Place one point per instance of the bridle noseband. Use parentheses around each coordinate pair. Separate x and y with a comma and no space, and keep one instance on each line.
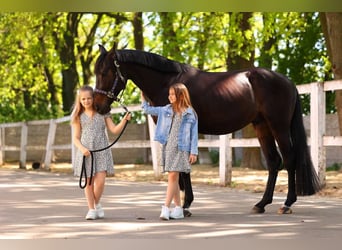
(110,94)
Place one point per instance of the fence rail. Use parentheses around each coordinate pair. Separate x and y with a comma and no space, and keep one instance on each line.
(317,139)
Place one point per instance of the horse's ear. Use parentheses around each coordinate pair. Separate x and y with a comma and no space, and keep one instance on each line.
(102,49)
(115,46)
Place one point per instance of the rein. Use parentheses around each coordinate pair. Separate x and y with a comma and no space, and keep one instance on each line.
(84,171)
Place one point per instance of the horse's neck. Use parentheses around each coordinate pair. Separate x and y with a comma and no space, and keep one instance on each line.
(150,82)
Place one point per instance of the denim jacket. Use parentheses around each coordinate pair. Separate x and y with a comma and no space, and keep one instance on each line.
(188,131)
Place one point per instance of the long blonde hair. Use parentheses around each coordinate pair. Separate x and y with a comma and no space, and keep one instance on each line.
(78,109)
(182,97)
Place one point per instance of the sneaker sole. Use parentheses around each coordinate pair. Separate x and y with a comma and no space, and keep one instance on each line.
(91,218)
(176,218)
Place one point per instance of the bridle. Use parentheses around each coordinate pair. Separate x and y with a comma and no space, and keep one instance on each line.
(118,75)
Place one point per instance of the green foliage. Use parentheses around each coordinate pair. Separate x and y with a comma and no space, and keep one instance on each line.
(214,156)
(33,62)
(334,167)
(298,49)
(23,87)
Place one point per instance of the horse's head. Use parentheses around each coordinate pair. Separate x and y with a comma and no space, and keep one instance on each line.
(109,80)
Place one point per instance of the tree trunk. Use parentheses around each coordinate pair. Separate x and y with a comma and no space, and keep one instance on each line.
(332,29)
(251,157)
(170,42)
(138,31)
(68,59)
(85,51)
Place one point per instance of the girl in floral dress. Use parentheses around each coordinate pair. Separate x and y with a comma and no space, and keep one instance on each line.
(89,133)
(177,131)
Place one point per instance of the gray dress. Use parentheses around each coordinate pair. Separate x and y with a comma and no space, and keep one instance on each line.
(172,158)
(93,136)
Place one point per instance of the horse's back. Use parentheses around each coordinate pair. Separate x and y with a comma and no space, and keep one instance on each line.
(229,101)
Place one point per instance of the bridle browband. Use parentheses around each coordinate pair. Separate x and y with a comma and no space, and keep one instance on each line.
(118,75)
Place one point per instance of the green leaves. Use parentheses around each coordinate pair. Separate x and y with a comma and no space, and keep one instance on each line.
(38,49)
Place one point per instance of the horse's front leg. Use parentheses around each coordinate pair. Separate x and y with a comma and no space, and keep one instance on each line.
(268,194)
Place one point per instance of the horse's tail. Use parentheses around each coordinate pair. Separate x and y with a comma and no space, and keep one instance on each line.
(307,181)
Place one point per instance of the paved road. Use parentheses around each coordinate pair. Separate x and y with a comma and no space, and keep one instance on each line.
(44,205)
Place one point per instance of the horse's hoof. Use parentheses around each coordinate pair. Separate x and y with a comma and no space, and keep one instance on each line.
(187,213)
(257,210)
(285,210)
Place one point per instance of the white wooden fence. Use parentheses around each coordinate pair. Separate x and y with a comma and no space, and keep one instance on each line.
(317,139)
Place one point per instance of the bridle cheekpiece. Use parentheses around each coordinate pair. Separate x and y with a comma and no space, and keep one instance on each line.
(110,94)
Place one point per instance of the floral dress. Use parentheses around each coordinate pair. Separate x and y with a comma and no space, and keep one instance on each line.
(93,136)
(172,158)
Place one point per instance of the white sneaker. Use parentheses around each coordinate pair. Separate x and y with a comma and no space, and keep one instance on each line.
(99,211)
(165,213)
(177,213)
(91,215)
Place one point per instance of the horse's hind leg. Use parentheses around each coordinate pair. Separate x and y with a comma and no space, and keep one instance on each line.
(286,150)
(273,161)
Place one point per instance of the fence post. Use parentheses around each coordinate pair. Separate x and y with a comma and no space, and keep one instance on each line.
(155,152)
(225,168)
(23,144)
(317,127)
(49,143)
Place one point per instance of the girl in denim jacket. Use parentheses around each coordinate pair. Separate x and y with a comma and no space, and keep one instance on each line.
(177,131)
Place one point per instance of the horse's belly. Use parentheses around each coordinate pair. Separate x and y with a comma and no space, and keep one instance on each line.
(221,128)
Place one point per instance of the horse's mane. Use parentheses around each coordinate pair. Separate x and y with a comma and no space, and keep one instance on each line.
(151,60)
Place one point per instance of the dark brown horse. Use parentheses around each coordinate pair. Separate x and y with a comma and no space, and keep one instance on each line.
(224,102)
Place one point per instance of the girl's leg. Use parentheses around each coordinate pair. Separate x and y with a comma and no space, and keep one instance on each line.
(176,197)
(89,194)
(173,193)
(172,189)
(99,182)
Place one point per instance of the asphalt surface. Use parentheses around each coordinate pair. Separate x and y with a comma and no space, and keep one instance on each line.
(45,205)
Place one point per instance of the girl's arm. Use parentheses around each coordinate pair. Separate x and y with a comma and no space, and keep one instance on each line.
(147,108)
(117,128)
(194,138)
(77,138)
(194,143)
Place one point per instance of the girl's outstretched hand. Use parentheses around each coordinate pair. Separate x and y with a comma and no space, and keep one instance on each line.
(192,158)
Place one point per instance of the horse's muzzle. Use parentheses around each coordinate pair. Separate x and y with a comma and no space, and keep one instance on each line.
(102,109)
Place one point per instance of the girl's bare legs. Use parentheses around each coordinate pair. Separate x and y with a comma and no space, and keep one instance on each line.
(89,194)
(99,183)
(172,192)
(93,194)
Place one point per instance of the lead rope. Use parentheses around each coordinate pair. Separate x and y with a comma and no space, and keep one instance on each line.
(84,171)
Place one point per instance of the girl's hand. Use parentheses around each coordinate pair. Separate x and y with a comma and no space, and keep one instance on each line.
(128,116)
(85,152)
(192,158)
